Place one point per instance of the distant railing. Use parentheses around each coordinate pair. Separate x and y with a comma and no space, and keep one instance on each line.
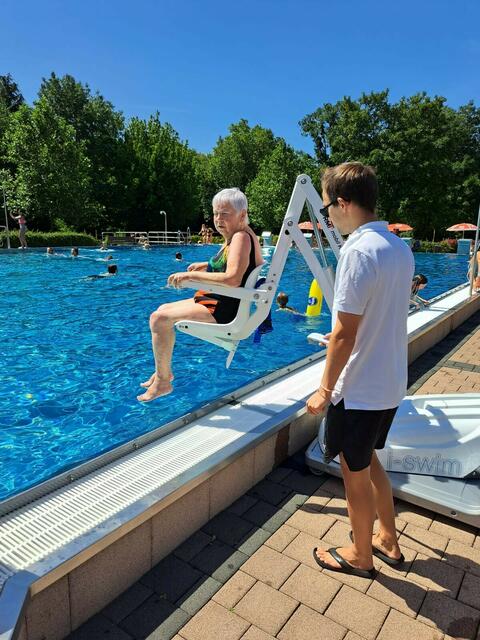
(153,237)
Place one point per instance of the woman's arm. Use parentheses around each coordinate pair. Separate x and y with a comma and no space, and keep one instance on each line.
(197,266)
(237,263)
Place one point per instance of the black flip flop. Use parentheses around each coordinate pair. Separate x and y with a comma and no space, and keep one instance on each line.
(393,562)
(345,567)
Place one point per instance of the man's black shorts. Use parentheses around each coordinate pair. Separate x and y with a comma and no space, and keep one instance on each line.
(356,433)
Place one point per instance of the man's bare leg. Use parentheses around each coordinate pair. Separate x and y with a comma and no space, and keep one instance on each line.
(386,538)
(361,511)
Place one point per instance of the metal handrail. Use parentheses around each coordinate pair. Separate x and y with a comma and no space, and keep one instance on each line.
(153,237)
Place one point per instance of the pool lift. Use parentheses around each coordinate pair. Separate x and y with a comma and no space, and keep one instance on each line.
(432,453)
(257,297)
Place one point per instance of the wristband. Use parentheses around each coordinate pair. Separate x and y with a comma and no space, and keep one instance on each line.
(325,388)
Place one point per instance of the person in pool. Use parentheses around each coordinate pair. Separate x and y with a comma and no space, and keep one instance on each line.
(74,252)
(178,256)
(50,251)
(231,266)
(282,301)
(112,270)
(419,282)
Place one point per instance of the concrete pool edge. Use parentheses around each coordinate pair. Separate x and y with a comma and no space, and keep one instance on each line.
(58,586)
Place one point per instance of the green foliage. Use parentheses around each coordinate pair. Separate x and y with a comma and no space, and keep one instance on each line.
(443,246)
(51,174)
(427,155)
(57,239)
(162,176)
(236,158)
(10,95)
(269,192)
(98,129)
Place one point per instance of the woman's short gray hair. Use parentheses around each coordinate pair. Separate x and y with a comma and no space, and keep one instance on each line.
(234,197)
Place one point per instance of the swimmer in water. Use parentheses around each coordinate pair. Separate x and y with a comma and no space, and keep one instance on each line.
(112,270)
(50,251)
(74,252)
(178,256)
(282,301)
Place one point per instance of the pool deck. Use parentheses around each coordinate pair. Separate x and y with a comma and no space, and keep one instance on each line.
(248,574)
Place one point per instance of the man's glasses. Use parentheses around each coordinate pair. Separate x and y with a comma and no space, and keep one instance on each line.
(324,210)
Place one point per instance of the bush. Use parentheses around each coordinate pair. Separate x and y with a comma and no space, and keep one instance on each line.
(56,239)
(436,247)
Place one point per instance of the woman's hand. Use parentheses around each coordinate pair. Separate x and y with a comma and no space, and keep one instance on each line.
(176,279)
(197,266)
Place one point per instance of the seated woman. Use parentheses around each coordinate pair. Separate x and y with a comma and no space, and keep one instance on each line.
(237,258)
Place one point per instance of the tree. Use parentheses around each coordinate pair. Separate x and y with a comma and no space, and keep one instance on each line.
(269,192)
(163,175)
(99,128)
(426,153)
(52,171)
(10,94)
(236,159)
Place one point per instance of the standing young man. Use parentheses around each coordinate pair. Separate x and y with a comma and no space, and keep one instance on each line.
(365,376)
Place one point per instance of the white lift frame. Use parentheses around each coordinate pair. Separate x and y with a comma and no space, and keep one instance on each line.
(247,320)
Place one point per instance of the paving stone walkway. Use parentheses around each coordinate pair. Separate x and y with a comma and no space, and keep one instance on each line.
(249,573)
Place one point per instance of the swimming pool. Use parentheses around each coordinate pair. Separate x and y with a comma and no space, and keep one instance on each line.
(74,351)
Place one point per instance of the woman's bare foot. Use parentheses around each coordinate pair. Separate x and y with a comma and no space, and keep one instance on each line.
(150,381)
(157,389)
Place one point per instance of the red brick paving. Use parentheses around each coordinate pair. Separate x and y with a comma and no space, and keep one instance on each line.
(281,593)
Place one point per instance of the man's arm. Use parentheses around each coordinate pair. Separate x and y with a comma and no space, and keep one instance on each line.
(340,347)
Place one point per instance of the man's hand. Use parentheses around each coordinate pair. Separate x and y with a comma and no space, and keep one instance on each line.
(318,402)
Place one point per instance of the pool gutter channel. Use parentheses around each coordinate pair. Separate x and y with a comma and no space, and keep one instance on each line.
(19,586)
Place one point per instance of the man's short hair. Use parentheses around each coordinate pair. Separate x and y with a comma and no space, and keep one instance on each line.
(352,181)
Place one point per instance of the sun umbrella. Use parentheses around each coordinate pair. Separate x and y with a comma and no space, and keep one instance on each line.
(307,226)
(462,226)
(399,226)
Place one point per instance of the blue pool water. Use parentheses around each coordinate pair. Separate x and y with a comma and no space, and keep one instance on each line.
(73,352)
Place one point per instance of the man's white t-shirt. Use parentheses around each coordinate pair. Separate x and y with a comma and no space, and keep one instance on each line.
(373,279)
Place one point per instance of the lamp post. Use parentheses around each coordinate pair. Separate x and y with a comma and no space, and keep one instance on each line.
(163,213)
(6,218)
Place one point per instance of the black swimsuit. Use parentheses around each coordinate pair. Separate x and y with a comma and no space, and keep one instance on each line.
(223,308)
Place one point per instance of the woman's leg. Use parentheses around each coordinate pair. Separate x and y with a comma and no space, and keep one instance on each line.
(163,339)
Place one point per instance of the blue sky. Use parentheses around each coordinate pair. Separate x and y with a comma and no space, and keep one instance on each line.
(205,64)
